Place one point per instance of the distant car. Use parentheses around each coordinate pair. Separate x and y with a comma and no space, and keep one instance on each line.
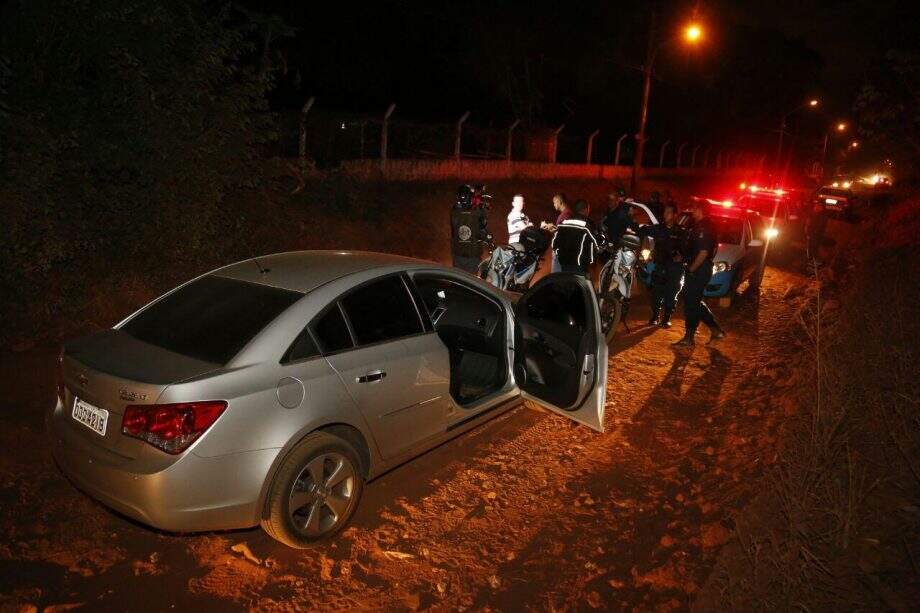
(840,201)
(268,391)
(740,252)
(780,210)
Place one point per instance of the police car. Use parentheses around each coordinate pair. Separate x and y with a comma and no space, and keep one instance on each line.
(740,256)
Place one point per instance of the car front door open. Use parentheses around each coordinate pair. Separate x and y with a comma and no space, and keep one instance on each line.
(560,356)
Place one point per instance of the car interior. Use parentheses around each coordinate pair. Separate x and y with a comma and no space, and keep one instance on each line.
(471,326)
(552,322)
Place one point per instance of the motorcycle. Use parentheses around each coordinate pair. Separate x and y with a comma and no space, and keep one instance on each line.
(615,282)
(512,267)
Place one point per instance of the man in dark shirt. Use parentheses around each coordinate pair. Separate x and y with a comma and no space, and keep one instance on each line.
(701,248)
(618,218)
(561,204)
(467,231)
(668,276)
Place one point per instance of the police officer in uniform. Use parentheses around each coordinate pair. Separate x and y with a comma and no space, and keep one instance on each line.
(701,246)
(668,276)
(468,231)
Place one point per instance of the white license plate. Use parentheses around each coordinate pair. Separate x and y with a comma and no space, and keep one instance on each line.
(92,417)
(830,201)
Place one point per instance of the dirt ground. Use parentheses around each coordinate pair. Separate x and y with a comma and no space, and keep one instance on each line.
(527,512)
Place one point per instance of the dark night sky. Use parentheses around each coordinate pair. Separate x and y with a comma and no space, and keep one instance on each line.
(437,59)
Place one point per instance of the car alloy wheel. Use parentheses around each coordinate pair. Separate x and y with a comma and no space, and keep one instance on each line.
(322,494)
(315,491)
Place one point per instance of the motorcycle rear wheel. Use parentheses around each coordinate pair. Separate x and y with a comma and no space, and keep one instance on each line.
(611,308)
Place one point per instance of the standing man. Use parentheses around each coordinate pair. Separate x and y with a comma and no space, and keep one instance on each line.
(517,220)
(702,246)
(561,204)
(575,242)
(618,218)
(467,231)
(668,276)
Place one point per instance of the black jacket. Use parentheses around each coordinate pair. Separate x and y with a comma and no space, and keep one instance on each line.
(575,242)
(616,222)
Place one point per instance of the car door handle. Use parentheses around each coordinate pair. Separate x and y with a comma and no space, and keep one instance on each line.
(372,377)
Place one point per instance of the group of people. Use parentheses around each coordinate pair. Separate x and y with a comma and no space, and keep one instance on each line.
(683,257)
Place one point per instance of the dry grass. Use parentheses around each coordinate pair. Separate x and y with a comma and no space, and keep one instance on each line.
(838,522)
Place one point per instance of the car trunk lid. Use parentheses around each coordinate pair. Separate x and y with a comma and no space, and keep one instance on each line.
(111,370)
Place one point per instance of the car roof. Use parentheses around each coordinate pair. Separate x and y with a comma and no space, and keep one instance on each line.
(303,271)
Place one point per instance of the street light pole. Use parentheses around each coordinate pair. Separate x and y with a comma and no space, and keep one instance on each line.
(782,129)
(646,93)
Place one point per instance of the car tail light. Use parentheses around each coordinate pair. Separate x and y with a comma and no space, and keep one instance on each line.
(171,427)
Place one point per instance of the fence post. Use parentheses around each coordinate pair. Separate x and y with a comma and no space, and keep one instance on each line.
(761,162)
(302,141)
(556,142)
(680,153)
(460,121)
(384,131)
(664,148)
(590,151)
(508,144)
(706,152)
(693,156)
(616,159)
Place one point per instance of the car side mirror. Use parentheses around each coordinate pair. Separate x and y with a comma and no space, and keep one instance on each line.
(755,242)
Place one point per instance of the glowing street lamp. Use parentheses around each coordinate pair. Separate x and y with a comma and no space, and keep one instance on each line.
(854,144)
(782,127)
(840,127)
(692,35)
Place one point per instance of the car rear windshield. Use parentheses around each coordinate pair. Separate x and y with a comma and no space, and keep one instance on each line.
(765,205)
(728,231)
(211,318)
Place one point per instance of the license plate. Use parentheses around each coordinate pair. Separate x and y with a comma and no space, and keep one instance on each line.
(830,201)
(92,417)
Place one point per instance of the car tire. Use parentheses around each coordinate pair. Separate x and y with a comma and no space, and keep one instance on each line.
(326,508)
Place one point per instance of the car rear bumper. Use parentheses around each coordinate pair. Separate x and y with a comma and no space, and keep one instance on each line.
(189,495)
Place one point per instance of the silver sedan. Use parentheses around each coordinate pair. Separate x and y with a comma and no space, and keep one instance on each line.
(269,391)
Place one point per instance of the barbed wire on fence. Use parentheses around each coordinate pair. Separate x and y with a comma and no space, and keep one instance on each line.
(328,138)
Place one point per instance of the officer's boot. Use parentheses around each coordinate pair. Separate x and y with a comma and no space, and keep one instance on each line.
(666,319)
(654,318)
(687,341)
(716,332)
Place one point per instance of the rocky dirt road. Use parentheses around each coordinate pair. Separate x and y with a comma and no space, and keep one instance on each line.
(526,512)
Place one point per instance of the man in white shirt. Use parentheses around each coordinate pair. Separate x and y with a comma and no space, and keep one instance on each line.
(517,220)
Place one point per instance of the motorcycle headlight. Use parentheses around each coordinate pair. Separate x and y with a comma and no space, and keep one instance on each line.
(772,232)
(720,267)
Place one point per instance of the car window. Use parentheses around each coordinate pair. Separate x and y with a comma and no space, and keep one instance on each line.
(302,348)
(381,311)
(558,303)
(728,230)
(332,332)
(211,318)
